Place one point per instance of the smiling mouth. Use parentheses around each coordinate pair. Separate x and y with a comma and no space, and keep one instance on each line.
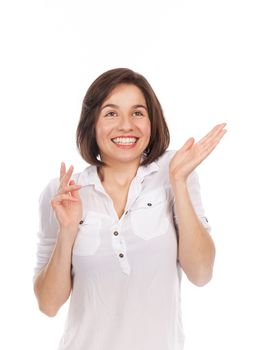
(125,140)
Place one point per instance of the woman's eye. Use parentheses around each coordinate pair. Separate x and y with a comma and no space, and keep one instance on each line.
(110,114)
(139,113)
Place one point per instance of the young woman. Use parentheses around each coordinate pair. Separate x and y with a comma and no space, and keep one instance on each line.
(117,235)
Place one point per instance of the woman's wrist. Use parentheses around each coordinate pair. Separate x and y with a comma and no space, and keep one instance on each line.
(67,235)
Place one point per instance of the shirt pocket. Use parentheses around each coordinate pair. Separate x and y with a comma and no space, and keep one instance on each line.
(150,216)
(88,238)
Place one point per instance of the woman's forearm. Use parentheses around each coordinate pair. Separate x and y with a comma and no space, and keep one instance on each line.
(52,285)
(196,248)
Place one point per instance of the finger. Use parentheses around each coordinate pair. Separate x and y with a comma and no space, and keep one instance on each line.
(208,134)
(67,175)
(62,170)
(210,146)
(218,137)
(71,188)
(221,134)
(214,133)
(75,193)
(187,144)
(59,198)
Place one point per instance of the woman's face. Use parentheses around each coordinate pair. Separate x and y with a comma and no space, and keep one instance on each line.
(123,127)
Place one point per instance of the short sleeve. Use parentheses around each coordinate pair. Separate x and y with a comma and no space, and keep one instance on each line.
(48,226)
(196,200)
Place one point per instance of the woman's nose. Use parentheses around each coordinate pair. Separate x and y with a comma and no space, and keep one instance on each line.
(125,123)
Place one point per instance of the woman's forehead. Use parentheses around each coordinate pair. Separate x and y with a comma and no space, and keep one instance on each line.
(125,94)
(125,89)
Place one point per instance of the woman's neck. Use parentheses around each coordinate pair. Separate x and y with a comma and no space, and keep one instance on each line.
(119,175)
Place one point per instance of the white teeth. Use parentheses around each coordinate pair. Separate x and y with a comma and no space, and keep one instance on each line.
(125,140)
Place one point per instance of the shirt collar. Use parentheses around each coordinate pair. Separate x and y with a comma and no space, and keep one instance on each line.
(89,176)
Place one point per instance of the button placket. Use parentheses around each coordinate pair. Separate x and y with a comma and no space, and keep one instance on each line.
(120,250)
(123,259)
(118,242)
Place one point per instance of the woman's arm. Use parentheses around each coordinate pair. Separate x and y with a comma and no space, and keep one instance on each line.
(53,283)
(196,250)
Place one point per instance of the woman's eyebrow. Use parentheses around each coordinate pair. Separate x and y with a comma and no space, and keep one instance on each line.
(109,105)
(139,106)
(116,106)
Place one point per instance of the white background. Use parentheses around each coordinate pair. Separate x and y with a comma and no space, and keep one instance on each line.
(209,62)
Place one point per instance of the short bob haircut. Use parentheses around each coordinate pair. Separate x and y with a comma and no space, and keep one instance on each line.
(92,102)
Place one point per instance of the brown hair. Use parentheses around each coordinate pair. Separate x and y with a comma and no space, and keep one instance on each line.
(93,100)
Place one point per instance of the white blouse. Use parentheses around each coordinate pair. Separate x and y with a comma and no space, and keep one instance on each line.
(126,275)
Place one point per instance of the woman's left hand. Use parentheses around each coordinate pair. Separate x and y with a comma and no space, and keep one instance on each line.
(191,154)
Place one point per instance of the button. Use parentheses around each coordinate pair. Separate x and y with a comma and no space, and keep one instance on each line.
(149,204)
(126,212)
(81,222)
(121,255)
(115,233)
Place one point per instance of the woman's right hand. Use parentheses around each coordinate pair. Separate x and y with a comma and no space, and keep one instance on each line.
(67,203)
